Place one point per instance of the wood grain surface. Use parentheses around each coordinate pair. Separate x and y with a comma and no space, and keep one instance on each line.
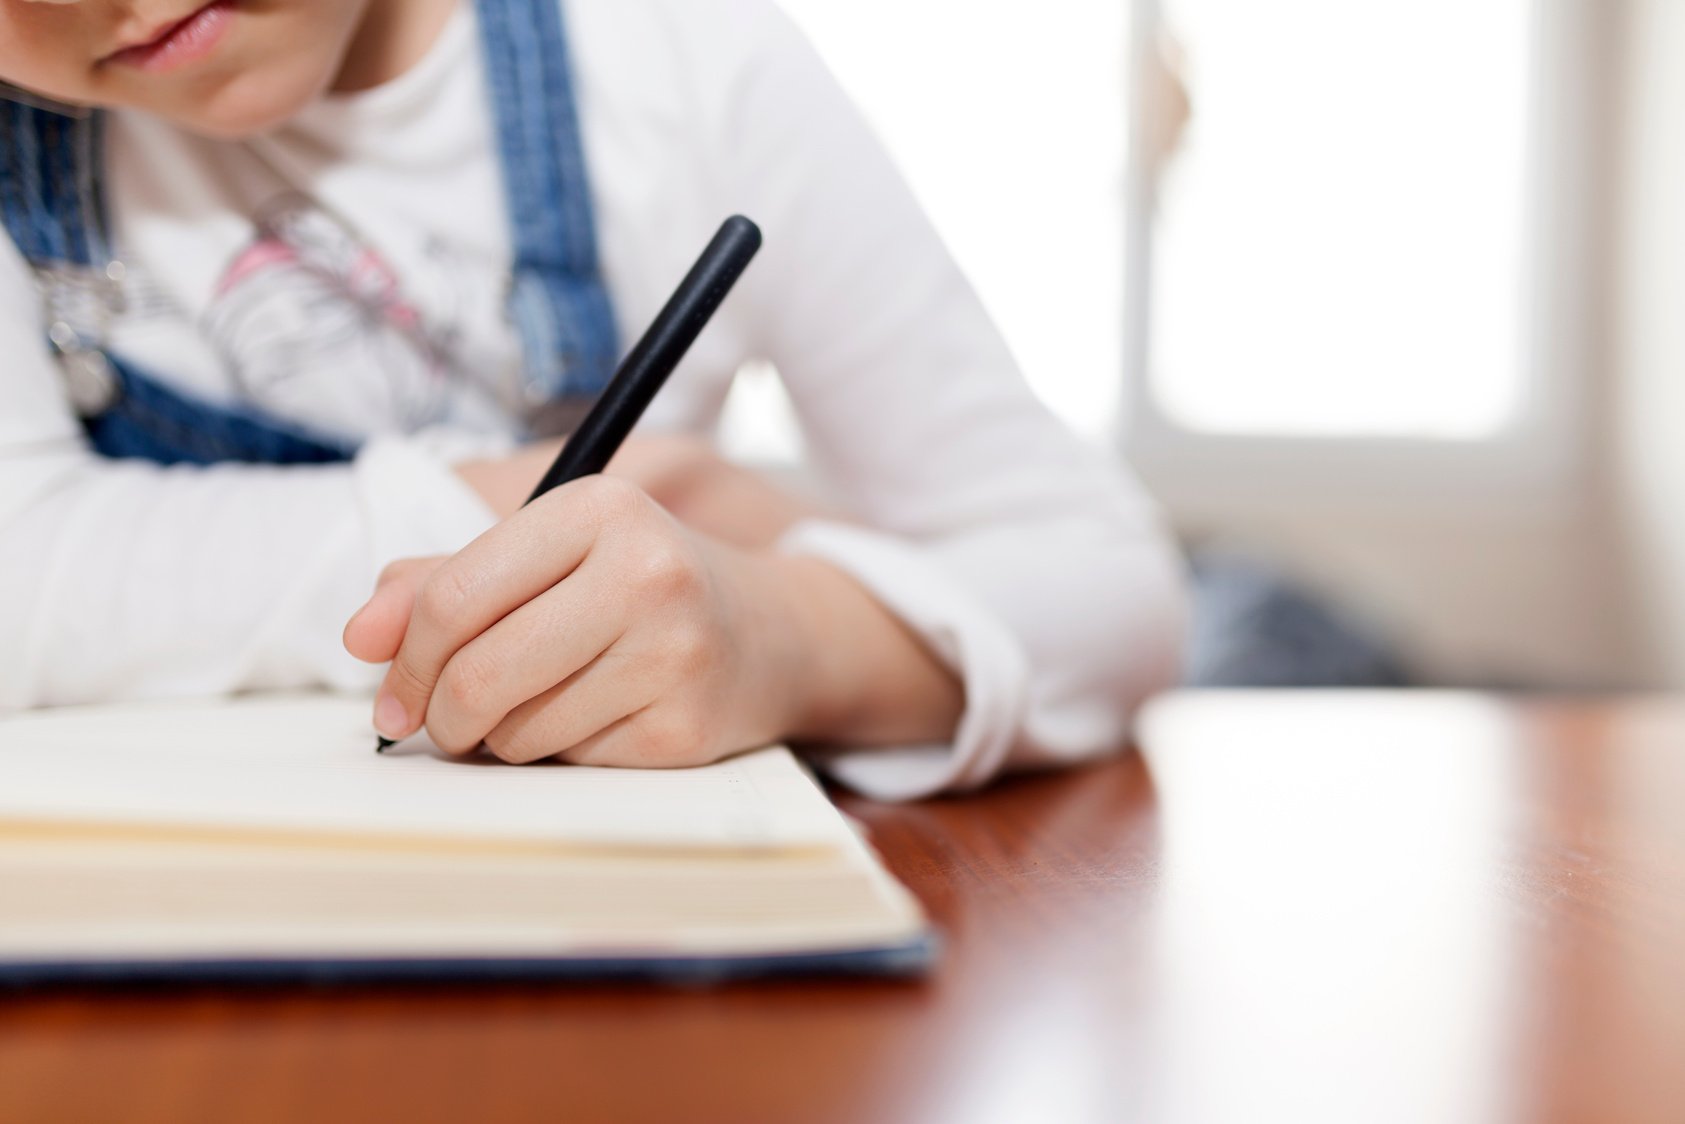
(1362,907)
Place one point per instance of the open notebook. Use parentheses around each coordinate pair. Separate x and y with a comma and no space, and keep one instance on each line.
(264,839)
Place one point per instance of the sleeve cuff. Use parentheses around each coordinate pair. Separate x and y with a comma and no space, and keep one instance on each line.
(962,633)
(414,505)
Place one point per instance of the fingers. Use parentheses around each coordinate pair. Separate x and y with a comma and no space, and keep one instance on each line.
(375,631)
(595,699)
(517,661)
(649,739)
(512,564)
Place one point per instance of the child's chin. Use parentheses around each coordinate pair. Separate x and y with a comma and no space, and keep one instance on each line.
(244,109)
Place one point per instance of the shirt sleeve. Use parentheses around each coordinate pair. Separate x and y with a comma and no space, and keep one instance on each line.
(1025,558)
(121,580)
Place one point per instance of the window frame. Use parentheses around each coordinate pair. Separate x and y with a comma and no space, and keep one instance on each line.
(1528,465)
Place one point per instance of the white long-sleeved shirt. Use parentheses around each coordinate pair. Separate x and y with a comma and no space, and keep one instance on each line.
(348,272)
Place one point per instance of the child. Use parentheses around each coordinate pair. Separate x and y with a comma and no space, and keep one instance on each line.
(285,308)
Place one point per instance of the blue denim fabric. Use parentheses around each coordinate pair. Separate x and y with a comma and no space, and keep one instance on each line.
(557,301)
(48,191)
(150,421)
(52,205)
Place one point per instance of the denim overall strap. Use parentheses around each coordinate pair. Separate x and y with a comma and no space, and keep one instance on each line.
(557,298)
(49,194)
(51,205)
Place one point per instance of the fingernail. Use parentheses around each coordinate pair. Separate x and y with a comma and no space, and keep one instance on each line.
(390,718)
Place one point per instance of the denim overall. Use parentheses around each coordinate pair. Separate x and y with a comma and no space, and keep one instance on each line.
(53,205)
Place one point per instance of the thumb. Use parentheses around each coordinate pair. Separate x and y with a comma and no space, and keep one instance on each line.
(376,631)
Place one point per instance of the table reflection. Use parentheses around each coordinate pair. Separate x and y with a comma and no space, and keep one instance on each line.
(1328,943)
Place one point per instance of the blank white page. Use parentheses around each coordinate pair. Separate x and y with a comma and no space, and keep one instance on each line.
(308,763)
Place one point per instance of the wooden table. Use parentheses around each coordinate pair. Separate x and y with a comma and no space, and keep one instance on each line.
(1348,908)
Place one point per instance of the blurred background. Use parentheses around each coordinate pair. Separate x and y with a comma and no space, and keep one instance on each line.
(1386,299)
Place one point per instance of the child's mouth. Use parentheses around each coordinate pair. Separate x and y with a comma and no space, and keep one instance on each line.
(181,43)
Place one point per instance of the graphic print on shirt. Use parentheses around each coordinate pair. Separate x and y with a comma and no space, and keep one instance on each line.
(307,311)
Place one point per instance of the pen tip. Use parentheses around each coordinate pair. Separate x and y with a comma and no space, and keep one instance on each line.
(385,744)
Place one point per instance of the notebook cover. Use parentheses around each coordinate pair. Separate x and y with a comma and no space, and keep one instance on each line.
(905,961)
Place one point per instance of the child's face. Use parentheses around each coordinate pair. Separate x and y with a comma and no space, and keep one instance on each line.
(227,68)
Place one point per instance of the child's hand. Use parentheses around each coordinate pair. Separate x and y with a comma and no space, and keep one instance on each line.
(593,627)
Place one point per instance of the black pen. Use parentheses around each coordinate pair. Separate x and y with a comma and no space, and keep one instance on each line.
(648,366)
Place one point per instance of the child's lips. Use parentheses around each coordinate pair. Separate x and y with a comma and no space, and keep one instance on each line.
(181,43)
